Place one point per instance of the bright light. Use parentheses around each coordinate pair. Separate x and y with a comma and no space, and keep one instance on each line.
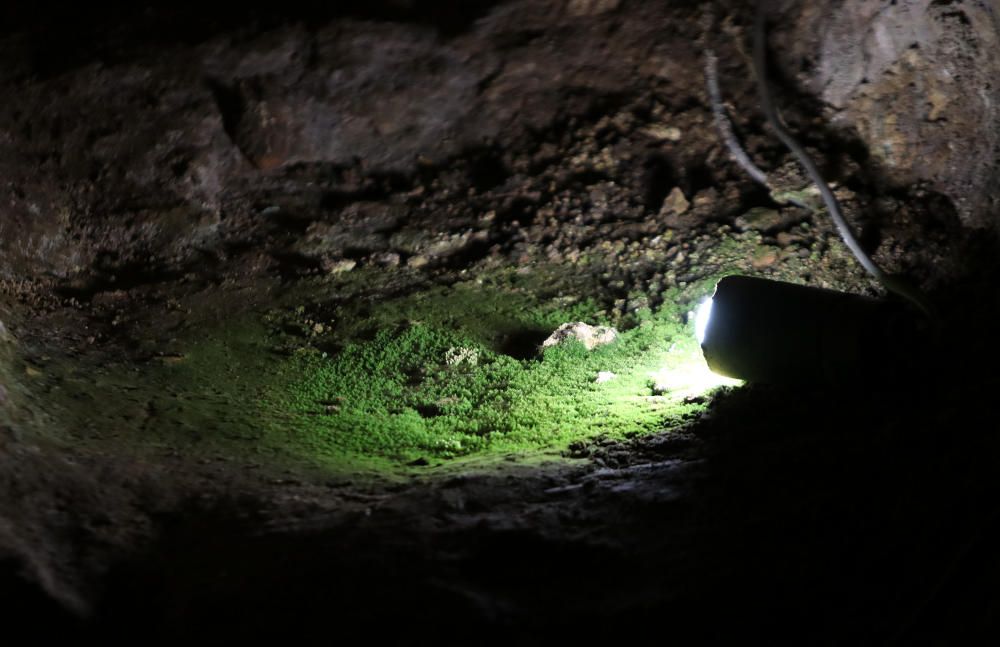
(683,372)
(689,380)
(701,318)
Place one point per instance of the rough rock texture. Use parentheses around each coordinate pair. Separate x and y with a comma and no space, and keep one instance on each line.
(168,171)
(589,336)
(166,141)
(156,148)
(917,80)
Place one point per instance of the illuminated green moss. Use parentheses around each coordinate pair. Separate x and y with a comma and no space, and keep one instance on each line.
(351,383)
(444,380)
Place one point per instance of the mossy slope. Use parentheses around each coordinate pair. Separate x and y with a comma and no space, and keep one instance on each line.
(441,378)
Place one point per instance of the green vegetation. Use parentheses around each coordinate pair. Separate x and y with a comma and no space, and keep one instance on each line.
(459,371)
(353,383)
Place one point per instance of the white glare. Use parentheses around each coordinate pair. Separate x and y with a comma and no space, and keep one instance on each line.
(689,380)
(701,317)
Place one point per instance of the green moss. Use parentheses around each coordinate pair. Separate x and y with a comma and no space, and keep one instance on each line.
(442,378)
(356,383)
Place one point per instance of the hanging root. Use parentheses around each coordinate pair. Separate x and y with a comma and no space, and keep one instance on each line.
(894,284)
(725,129)
(723,125)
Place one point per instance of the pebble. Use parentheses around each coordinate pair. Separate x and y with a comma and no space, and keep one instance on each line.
(764,257)
(663,133)
(705,198)
(341,266)
(418,261)
(675,202)
(387,259)
(759,219)
(785,239)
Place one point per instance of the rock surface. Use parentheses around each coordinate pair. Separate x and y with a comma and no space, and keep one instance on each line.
(120,154)
(916,80)
(590,336)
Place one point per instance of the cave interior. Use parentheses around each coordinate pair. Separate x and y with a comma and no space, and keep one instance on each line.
(324,320)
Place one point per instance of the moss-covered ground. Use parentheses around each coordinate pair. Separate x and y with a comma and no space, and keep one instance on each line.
(437,374)
(394,370)
(459,373)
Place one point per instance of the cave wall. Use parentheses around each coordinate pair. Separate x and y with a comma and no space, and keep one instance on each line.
(117,149)
(916,79)
(115,154)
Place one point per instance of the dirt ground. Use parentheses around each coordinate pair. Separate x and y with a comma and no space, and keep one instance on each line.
(187,200)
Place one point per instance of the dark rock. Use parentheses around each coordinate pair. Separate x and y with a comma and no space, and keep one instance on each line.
(916,82)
